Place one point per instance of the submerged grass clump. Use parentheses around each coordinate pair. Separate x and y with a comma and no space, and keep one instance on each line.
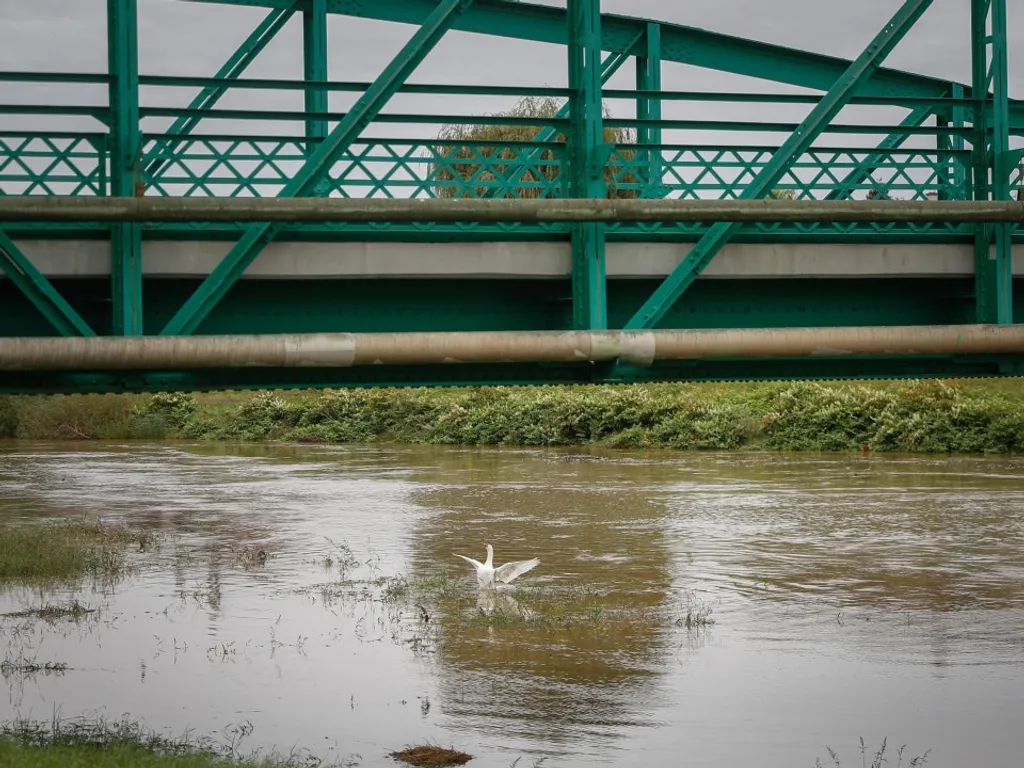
(65,551)
(697,613)
(912,416)
(22,666)
(74,611)
(429,756)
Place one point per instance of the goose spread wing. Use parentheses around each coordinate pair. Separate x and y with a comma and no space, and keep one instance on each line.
(510,571)
(470,560)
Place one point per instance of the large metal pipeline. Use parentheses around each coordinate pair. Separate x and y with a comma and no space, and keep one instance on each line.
(73,208)
(358,349)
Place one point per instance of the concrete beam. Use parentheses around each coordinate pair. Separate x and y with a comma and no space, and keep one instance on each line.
(61,259)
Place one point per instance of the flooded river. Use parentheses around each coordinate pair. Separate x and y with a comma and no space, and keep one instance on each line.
(873,597)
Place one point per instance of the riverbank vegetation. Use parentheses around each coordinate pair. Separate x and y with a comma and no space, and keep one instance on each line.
(914,416)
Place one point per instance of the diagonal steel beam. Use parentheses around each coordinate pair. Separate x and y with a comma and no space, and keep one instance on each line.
(363,112)
(238,62)
(820,116)
(870,164)
(37,289)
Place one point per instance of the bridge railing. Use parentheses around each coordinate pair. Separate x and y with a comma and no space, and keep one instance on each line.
(50,149)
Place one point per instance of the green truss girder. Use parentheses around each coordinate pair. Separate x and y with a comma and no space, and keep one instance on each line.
(125,159)
(654,309)
(208,97)
(39,291)
(680,43)
(362,114)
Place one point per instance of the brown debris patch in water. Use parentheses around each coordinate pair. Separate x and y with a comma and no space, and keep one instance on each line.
(431,757)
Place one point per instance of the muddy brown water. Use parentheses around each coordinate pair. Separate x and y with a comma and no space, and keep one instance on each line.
(874,597)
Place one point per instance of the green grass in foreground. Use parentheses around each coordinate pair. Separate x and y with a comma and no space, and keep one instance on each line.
(974,416)
(126,744)
(65,551)
(110,756)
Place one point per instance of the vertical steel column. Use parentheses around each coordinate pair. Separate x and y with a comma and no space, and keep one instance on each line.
(959,144)
(648,78)
(945,170)
(952,174)
(125,158)
(586,171)
(993,275)
(314,62)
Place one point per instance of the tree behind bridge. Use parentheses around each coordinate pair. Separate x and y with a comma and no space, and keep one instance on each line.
(488,160)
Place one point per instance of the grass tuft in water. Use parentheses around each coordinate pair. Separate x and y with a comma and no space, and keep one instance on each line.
(249,558)
(66,551)
(439,586)
(878,759)
(26,667)
(440,598)
(341,557)
(51,613)
(698,613)
(543,608)
(429,756)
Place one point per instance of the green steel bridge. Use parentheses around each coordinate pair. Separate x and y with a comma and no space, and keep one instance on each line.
(148,244)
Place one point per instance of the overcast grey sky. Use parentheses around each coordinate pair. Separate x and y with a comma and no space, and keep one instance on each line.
(194,39)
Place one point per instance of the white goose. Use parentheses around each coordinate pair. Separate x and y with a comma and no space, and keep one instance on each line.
(487,574)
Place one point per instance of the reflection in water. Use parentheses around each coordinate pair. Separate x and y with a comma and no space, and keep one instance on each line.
(563,684)
(853,596)
(490,600)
